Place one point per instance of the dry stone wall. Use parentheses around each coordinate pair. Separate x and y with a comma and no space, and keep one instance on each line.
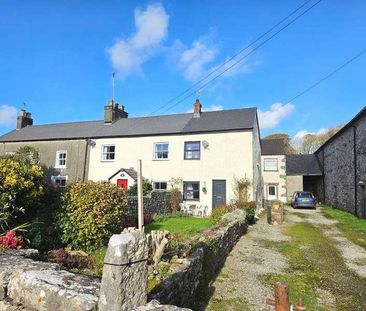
(198,270)
(26,284)
(155,203)
(35,285)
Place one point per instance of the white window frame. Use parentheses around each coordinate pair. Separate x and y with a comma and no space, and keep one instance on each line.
(155,152)
(276,190)
(160,182)
(57,162)
(189,154)
(266,169)
(192,191)
(102,153)
(59,177)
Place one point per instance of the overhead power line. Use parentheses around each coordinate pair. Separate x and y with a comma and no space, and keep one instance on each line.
(358,55)
(238,61)
(241,59)
(232,58)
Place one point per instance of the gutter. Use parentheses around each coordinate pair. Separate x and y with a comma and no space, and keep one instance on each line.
(132,136)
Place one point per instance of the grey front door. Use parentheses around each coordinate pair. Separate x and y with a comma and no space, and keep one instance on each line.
(218,192)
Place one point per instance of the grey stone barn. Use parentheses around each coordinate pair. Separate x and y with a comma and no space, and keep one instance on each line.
(343,163)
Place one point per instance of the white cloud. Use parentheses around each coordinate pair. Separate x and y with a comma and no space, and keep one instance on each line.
(7,115)
(198,60)
(233,67)
(302,133)
(193,61)
(128,55)
(210,108)
(213,108)
(269,119)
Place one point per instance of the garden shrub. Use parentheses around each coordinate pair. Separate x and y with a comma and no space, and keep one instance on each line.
(146,188)
(241,191)
(27,154)
(249,207)
(10,241)
(90,213)
(62,257)
(175,195)
(218,212)
(42,233)
(21,188)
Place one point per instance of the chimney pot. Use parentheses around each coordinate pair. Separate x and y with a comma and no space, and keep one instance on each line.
(113,112)
(24,119)
(197,109)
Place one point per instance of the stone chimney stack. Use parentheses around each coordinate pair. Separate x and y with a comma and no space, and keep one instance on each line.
(197,109)
(114,112)
(24,119)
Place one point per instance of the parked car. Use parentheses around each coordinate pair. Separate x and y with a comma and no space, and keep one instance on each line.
(303,199)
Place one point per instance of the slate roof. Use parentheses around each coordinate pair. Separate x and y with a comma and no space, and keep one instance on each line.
(129,171)
(213,121)
(273,146)
(302,164)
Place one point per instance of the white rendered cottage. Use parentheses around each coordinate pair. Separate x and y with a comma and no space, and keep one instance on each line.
(205,150)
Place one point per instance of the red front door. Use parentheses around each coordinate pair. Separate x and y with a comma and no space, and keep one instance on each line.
(123,183)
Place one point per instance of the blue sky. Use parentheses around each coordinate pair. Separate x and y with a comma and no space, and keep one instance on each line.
(58,57)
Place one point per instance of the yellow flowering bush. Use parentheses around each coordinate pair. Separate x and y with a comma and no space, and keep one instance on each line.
(21,187)
(90,213)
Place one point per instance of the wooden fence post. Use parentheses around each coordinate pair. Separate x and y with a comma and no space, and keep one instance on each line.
(140,196)
(281,302)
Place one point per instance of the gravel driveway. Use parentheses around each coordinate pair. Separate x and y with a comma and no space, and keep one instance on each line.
(240,285)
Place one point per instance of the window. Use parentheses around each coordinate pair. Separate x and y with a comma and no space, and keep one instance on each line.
(160,185)
(191,190)
(59,181)
(61,157)
(108,152)
(271,192)
(161,151)
(192,150)
(270,165)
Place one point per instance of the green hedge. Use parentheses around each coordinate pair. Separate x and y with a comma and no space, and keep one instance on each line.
(21,189)
(90,213)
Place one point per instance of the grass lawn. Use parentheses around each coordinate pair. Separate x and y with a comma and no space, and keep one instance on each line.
(352,227)
(229,304)
(98,260)
(184,226)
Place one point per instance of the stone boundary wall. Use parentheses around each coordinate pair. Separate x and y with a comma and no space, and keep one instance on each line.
(158,202)
(183,287)
(26,284)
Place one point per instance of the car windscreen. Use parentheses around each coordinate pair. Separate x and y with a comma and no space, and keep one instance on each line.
(305,195)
